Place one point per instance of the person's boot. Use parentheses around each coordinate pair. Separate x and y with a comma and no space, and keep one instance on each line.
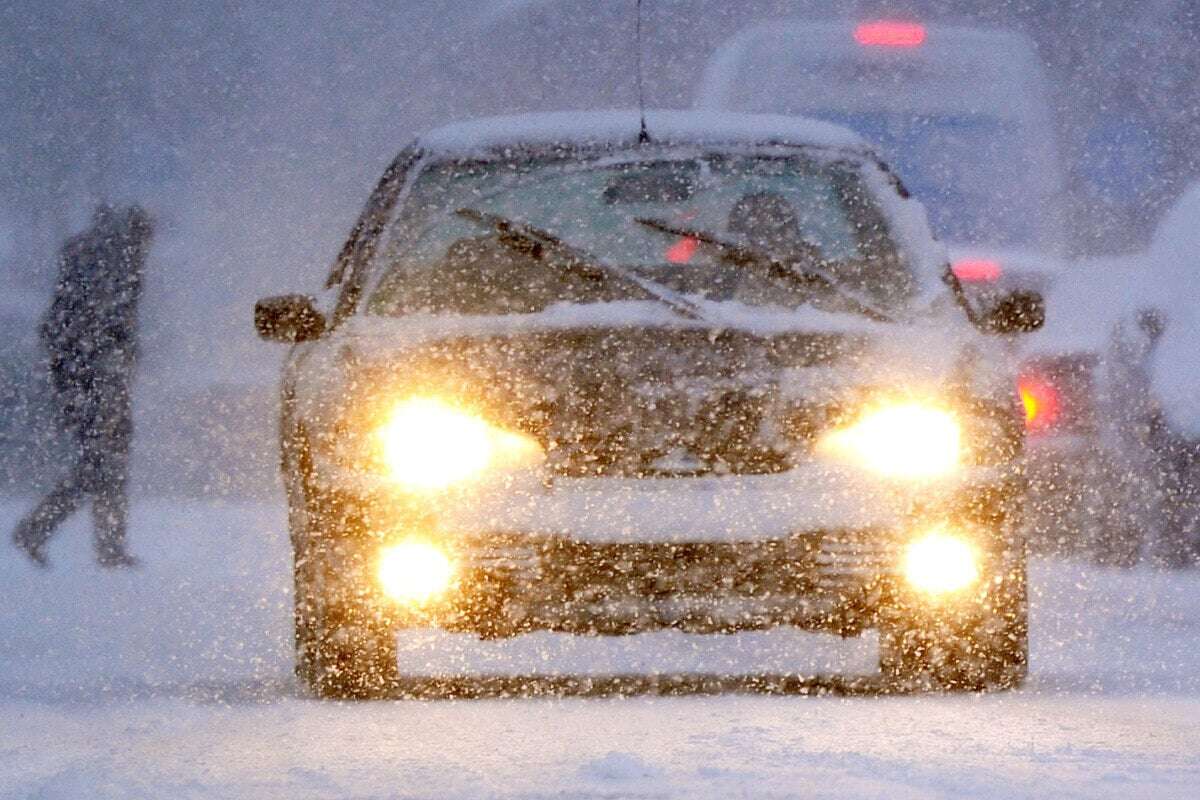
(33,548)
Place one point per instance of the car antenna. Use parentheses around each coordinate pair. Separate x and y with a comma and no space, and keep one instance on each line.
(643,131)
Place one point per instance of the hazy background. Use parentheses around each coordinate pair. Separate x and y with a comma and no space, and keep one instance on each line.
(254,131)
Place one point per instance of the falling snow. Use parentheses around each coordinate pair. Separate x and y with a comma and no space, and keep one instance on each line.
(649,399)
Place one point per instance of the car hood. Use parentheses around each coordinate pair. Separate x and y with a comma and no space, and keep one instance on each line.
(632,389)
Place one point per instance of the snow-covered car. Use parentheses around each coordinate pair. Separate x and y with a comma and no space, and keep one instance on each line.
(599,375)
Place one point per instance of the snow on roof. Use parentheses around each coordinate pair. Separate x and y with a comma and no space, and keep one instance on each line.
(1091,296)
(622,126)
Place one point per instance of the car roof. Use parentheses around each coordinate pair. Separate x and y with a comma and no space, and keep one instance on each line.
(622,127)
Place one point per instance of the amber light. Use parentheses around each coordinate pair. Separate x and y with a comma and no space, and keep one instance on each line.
(1040,401)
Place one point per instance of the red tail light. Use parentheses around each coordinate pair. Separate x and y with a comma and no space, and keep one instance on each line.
(1041,402)
(890,34)
(682,251)
(976,270)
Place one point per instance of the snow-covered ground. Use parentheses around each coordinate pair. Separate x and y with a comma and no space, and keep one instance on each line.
(173,681)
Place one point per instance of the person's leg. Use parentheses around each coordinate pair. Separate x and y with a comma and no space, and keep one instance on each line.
(110,509)
(38,526)
(110,504)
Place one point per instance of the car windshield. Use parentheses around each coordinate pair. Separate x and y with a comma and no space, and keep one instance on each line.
(444,257)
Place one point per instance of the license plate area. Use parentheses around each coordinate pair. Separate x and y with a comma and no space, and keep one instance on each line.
(515,583)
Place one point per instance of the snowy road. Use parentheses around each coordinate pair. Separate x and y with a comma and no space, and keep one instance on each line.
(174,682)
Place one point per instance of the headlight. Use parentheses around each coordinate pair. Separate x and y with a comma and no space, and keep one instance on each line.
(414,572)
(940,563)
(429,444)
(911,440)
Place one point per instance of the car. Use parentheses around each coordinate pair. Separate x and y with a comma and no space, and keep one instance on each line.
(606,374)
(1107,387)
(963,113)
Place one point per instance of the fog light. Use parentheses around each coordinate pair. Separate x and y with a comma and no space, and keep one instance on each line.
(414,572)
(940,563)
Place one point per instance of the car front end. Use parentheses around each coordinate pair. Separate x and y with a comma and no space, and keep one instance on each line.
(470,486)
(613,389)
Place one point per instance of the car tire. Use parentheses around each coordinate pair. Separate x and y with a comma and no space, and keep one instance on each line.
(344,648)
(986,650)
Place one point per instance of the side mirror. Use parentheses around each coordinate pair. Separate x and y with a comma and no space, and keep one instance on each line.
(1016,312)
(288,318)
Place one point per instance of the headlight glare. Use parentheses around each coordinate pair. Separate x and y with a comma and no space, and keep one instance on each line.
(910,440)
(940,563)
(428,444)
(414,572)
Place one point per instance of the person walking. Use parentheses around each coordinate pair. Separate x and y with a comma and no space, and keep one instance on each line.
(90,335)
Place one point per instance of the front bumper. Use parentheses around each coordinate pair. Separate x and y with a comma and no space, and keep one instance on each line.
(700,555)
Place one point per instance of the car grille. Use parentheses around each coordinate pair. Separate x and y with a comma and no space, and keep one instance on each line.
(810,579)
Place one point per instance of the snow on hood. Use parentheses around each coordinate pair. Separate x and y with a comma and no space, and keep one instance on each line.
(622,127)
(413,329)
(920,352)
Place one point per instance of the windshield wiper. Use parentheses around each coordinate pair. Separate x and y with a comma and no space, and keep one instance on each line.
(777,267)
(543,245)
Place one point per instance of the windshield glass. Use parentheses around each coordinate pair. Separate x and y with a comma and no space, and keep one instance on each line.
(441,259)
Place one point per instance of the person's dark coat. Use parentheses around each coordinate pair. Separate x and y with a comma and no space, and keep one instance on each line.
(90,330)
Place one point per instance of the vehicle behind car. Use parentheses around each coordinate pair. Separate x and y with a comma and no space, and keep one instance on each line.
(962,113)
(597,379)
